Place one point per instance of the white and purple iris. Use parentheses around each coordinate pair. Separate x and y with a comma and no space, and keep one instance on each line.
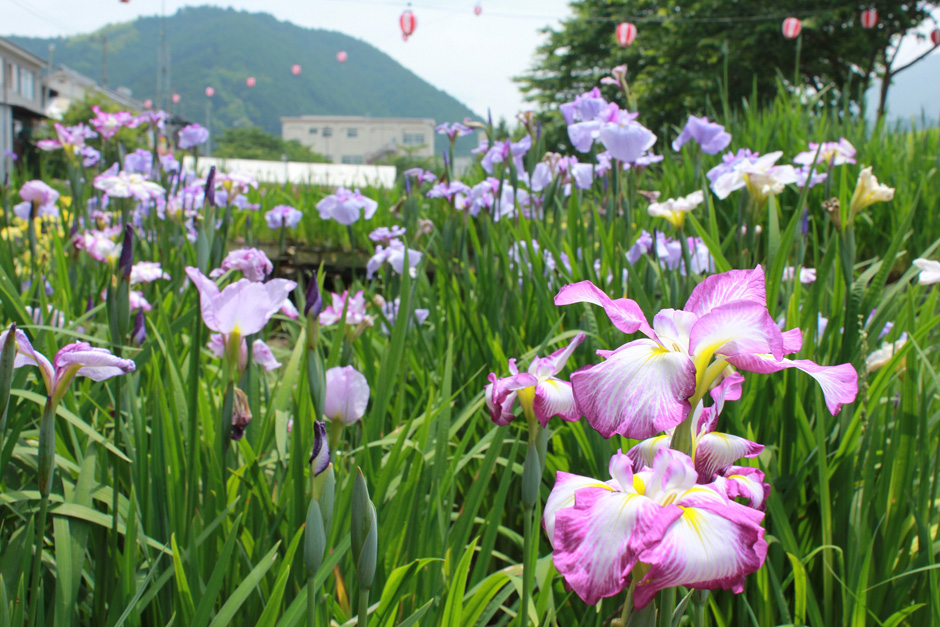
(540,393)
(657,525)
(650,385)
(346,207)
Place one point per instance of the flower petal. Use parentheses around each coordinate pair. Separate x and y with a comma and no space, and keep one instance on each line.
(744,482)
(554,398)
(715,452)
(644,452)
(839,383)
(598,540)
(543,367)
(715,543)
(728,287)
(624,313)
(735,328)
(562,496)
(638,391)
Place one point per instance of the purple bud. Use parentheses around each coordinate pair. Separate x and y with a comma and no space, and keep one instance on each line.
(538,130)
(407,185)
(139,332)
(210,188)
(446,159)
(127,252)
(320,457)
(241,414)
(314,302)
(804,225)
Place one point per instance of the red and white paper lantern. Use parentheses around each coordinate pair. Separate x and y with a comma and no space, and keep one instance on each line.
(341,56)
(250,81)
(477,9)
(210,92)
(869,18)
(148,103)
(935,36)
(295,69)
(626,33)
(792,27)
(408,23)
(175,98)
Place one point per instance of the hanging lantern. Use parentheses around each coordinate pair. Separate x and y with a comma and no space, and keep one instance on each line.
(626,33)
(125,1)
(341,56)
(250,81)
(175,98)
(869,18)
(148,103)
(210,92)
(295,69)
(477,9)
(407,22)
(792,27)
(935,36)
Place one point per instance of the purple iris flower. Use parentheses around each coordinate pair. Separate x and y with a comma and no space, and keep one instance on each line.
(192,136)
(90,157)
(283,216)
(501,151)
(447,190)
(420,175)
(139,162)
(624,137)
(710,136)
(386,234)
(37,194)
(808,176)
(453,130)
(251,262)
(169,163)
(346,207)
(108,124)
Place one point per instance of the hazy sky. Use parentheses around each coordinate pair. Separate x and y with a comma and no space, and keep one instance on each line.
(471,57)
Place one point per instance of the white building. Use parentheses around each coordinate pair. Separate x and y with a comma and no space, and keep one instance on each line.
(67,86)
(354,139)
(21,100)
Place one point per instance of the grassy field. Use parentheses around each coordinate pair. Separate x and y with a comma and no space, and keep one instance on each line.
(154,517)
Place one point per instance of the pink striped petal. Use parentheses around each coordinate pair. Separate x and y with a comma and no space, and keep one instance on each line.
(728,287)
(554,398)
(715,543)
(744,482)
(597,541)
(730,389)
(624,313)
(644,452)
(638,391)
(544,367)
(715,452)
(26,355)
(500,394)
(736,328)
(562,496)
(839,383)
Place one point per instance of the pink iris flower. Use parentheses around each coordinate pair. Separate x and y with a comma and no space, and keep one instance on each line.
(651,384)
(540,393)
(260,352)
(347,395)
(355,311)
(108,124)
(78,359)
(657,526)
(251,262)
(242,308)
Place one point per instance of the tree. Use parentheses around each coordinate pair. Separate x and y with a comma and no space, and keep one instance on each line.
(251,142)
(683,53)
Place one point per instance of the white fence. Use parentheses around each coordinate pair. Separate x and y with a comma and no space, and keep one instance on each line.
(331,174)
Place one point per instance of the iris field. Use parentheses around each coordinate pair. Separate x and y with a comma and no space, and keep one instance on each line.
(254,448)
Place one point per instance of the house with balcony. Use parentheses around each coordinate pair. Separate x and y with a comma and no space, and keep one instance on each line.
(359,139)
(22,101)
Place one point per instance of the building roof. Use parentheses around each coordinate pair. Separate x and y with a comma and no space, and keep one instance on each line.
(90,83)
(352,119)
(7,47)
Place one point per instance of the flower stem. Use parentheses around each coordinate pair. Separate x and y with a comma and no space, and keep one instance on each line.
(311,602)
(667,606)
(526,574)
(362,620)
(628,603)
(37,560)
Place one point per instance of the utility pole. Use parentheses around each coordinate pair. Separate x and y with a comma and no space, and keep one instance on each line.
(104,60)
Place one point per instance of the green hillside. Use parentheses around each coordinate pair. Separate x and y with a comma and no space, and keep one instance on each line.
(221,47)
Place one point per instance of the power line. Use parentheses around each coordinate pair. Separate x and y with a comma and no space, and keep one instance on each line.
(42,17)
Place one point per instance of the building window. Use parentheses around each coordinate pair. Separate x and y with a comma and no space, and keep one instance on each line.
(352,159)
(352,132)
(327,131)
(413,139)
(312,130)
(26,84)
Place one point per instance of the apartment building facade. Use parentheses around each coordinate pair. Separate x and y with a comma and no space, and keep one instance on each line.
(356,140)
(22,100)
